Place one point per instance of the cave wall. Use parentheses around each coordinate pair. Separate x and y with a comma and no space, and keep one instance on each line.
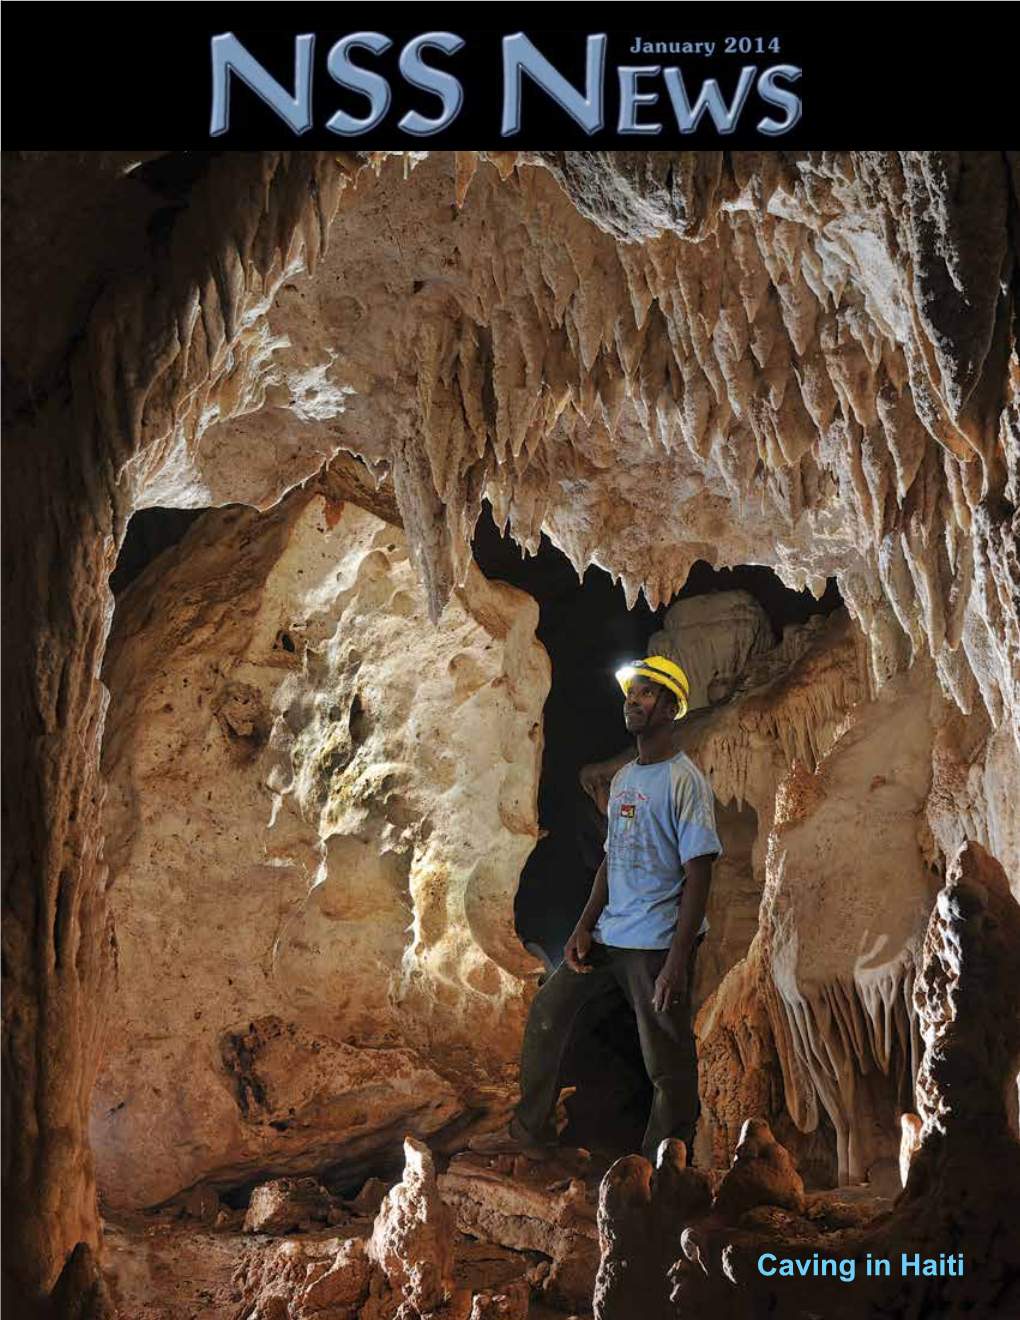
(810,1021)
(802,359)
(318,808)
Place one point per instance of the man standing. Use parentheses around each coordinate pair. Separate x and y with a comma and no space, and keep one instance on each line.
(640,928)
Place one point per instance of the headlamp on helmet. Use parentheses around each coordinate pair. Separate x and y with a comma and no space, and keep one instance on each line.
(659,670)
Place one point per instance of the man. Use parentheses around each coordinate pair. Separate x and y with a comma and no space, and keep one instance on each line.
(639,930)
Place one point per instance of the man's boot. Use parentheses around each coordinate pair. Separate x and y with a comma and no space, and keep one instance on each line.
(509,1141)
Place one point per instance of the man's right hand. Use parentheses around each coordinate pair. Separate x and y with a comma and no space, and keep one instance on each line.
(577,949)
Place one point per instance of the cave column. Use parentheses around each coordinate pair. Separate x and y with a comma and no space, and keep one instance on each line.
(58,946)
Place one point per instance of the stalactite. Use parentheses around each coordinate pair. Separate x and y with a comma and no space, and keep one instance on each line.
(769,330)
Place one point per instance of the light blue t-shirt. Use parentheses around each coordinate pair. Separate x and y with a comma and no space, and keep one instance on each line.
(660,816)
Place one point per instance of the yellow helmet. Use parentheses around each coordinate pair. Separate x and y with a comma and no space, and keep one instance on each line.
(659,670)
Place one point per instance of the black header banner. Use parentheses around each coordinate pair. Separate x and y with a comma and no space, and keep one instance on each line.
(653,76)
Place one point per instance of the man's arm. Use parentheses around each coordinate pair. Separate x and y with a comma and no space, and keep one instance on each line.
(580,941)
(671,982)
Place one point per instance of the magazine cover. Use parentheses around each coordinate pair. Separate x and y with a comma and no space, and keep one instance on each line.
(511,704)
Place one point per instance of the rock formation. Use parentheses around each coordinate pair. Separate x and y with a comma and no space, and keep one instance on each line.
(828,1007)
(319,806)
(641,1214)
(412,1241)
(531,1209)
(713,637)
(403,1271)
(284,1204)
(800,359)
(726,1257)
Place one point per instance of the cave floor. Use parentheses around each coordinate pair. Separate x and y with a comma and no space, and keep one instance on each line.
(165,1268)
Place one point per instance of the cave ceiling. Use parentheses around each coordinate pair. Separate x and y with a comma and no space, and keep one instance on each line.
(803,360)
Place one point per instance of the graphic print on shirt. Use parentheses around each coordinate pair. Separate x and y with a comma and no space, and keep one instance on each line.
(652,831)
(633,832)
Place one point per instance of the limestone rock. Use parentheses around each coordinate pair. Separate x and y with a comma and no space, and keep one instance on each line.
(739,1070)
(412,1240)
(762,1173)
(803,359)
(530,1210)
(713,637)
(840,1009)
(371,1197)
(643,1213)
(318,813)
(824,993)
(296,1280)
(968,1003)
(911,1127)
(509,1304)
(974,771)
(81,1291)
(339,1289)
(282,1205)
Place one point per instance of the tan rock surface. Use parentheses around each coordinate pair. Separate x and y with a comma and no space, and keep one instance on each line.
(299,1279)
(412,1240)
(713,637)
(762,1173)
(317,819)
(545,1208)
(819,346)
(781,351)
(284,1204)
(826,989)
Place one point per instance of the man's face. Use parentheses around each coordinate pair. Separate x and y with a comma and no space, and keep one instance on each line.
(646,707)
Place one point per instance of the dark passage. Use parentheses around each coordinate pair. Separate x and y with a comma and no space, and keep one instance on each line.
(589,632)
(149,533)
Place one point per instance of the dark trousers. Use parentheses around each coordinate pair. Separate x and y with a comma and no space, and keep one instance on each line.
(667,1041)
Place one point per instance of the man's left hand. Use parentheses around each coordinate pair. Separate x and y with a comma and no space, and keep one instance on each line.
(670,985)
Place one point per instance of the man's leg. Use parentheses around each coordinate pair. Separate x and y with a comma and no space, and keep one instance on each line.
(667,1046)
(550,1021)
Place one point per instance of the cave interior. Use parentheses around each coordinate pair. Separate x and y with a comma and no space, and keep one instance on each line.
(336,489)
